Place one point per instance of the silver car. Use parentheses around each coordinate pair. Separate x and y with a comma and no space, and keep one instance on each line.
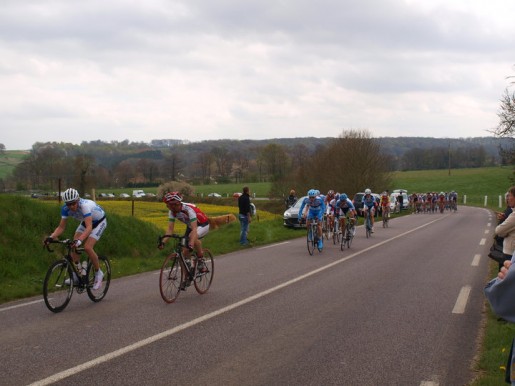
(291,215)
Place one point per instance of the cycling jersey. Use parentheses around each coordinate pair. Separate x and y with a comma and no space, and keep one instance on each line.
(345,205)
(85,208)
(188,214)
(385,200)
(369,201)
(316,207)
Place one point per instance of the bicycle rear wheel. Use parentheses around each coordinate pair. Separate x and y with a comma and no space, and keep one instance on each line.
(58,286)
(98,294)
(171,278)
(203,279)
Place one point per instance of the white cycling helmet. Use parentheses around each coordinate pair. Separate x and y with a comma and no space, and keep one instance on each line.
(70,195)
(368,191)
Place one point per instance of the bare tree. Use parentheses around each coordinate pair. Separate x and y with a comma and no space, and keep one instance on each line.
(349,164)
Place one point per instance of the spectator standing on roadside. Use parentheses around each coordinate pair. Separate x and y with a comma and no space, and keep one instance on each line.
(244,215)
(291,200)
(506,228)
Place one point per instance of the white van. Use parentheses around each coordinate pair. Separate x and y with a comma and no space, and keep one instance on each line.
(138,193)
(393,200)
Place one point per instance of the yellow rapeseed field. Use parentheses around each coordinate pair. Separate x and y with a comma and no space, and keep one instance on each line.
(157,212)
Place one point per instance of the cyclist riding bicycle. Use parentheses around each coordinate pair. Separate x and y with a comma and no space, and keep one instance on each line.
(316,209)
(92,225)
(197,225)
(385,203)
(369,205)
(329,205)
(343,206)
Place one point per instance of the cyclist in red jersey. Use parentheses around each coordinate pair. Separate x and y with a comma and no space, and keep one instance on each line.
(197,224)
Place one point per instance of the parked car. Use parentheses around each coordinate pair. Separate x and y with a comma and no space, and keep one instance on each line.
(393,200)
(291,215)
(124,195)
(214,195)
(358,202)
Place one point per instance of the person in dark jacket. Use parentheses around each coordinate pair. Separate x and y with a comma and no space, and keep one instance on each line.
(244,215)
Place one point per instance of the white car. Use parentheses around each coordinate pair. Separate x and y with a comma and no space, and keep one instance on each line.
(124,195)
(214,195)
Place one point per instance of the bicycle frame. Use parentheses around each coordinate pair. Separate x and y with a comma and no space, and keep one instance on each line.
(63,276)
(176,274)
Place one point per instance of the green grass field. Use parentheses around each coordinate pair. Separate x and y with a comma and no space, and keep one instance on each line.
(9,159)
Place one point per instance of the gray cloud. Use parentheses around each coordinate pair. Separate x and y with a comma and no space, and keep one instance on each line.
(230,69)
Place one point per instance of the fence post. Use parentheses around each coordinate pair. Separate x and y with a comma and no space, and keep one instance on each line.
(486,200)
(500,201)
(464,199)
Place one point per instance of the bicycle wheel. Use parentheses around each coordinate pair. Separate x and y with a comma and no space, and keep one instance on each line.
(58,286)
(98,294)
(368,227)
(336,232)
(171,278)
(310,240)
(350,231)
(326,228)
(203,279)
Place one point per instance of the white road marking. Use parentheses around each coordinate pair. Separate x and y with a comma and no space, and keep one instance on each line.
(429,383)
(482,242)
(20,305)
(461,302)
(475,260)
(142,343)
(273,245)
(487,231)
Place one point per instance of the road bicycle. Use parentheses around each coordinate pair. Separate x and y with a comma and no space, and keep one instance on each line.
(312,236)
(368,223)
(348,233)
(385,213)
(178,271)
(336,231)
(64,275)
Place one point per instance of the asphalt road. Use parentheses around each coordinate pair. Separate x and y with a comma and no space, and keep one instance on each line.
(401,308)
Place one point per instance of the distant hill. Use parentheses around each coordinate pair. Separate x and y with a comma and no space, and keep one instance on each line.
(111,154)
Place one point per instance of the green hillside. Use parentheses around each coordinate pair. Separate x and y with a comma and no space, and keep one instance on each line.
(9,159)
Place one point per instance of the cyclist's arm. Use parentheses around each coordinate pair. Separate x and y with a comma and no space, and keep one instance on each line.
(169,231)
(301,209)
(60,228)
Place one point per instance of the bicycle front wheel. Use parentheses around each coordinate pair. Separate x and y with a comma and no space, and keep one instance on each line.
(311,240)
(97,295)
(171,278)
(58,286)
(203,279)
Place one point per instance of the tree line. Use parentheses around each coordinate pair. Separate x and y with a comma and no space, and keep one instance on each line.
(354,157)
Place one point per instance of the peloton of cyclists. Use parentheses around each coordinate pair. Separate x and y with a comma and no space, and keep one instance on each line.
(316,209)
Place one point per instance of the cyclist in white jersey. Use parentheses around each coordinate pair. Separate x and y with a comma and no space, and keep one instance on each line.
(92,225)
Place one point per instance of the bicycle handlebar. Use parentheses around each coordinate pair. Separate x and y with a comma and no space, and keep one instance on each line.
(48,241)
(175,236)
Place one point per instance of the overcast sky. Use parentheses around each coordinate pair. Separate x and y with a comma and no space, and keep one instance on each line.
(111,70)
